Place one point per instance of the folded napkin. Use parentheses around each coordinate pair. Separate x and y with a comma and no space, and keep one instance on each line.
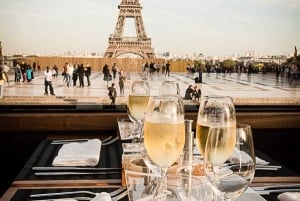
(79,154)
(289,196)
(260,161)
(244,157)
(102,197)
(64,199)
(238,155)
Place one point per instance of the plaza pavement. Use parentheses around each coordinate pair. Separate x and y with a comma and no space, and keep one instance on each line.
(258,89)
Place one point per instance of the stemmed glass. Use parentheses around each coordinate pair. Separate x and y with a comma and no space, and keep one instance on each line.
(229,160)
(137,103)
(164,133)
(213,110)
(169,88)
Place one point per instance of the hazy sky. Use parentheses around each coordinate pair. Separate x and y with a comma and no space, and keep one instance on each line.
(211,27)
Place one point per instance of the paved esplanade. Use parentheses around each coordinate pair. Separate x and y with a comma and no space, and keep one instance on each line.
(254,89)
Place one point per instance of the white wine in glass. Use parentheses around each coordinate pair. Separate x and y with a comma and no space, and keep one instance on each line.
(214,110)
(164,141)
(229,161)
(164,133)
(137,104)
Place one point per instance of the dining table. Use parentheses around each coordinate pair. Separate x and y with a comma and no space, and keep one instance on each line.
(108,174)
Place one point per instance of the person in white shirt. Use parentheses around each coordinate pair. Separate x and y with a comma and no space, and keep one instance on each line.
(5,70)
(69,73)
(48,81)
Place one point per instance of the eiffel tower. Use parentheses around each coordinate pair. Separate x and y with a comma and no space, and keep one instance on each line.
(139,45)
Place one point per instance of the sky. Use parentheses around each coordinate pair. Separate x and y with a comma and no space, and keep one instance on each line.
(210,27)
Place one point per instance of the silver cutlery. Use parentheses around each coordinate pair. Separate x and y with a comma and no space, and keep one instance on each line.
(113,193)
(110,141)
(265,190)
(278,186)
(73,168)
(68,141)
(266,168)
(72,173)
(77,140)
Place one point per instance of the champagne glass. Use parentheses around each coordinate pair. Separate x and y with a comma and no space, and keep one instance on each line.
(213,110)
(137,103)
(164,133)
(169,88)
(229,160)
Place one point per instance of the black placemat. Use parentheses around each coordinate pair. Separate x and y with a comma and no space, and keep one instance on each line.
(110,156)
(281,172)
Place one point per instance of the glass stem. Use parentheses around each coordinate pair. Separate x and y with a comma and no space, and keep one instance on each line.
(161,183)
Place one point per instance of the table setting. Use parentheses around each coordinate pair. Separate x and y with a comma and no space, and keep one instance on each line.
(157,156)
(224,149)
(92,160)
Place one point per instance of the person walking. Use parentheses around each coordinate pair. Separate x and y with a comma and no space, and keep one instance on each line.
(122,79)
(112,93)
(114,70)
(81,75)
(48,81)
(168,65)
(5,70)
(87,73)
(69,73)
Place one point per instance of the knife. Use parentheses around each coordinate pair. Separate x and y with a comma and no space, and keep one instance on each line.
(276,187)
(73,168)
(68,141)
(72,173)
(267,192)
(266,168)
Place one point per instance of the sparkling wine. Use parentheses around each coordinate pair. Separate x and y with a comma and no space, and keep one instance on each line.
(137,106)
(221,144)
(201,136)
(164,142)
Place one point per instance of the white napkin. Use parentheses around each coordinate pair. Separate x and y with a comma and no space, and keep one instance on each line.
(64,199)
(79,154)
(244,157)
(289,196)
(260,161)
(238,155)
(102,197)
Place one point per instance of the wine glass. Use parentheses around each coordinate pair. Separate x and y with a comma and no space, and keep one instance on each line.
(213,110)
(229,160)
(137,103)
(169,88)
(164,133)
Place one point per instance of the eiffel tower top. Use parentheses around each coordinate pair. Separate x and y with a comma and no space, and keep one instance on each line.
(139,45)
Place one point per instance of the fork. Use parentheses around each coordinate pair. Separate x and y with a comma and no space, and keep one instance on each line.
(77,140)
(113,198)
(113,193)
(110,141)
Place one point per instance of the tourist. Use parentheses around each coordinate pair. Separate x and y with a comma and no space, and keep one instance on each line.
(189,93)
(87,73)
(114,70)
(112,93)
(122,79)
(168,68)
(5,70)
(48,81)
